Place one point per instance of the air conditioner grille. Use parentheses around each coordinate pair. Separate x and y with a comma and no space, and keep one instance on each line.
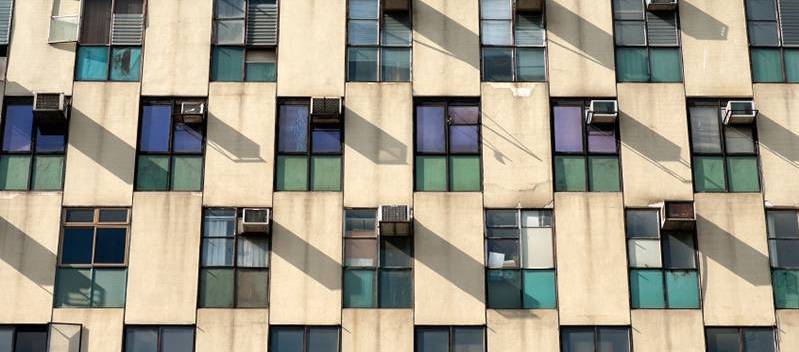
(256,216)
(48,102)
(397,213)
(325,106)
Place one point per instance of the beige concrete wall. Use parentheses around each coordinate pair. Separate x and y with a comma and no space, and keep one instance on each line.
(306,258)
(177,49)
(33,64)
(102,328)
(778,135)
(239,156)
(522,330)
(580,48)
(657,330)
(312,48)
(446,48)
(102,144)
(378,141)
(788,329)
(448,259)
(517,162)
(164,258)
(715,48)
(377,330)
(232,330)
(733,258)
(654,143)
(29,231)
(592,259)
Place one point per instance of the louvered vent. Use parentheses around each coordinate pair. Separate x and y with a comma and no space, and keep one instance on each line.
(394,213)
(262,22)
(661,28)
(325,106)
(48,102)
(6,7)
(127,29)
(789,20)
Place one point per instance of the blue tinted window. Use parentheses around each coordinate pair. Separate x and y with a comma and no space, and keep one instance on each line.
(430,136)
(155,125)
(110,246)
(188,138)
(18,128)
(77,245)
(50,139)
(293,128)
(326,140)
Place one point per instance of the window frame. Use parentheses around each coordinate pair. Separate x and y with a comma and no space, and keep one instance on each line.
(109,46)
(380,46)
(740,331)
(244,46)
(514,46)
(596,331)
(159,333)
(451,334)
(15,328)
(774,243)
(305,333)
(779,46)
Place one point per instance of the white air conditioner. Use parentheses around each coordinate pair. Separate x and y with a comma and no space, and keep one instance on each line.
(394,220)
(740,112)
(602,111)
(254,220)
(191,112)
(326,110)
(677,215)
(50,112)
(48,102)
(661,5)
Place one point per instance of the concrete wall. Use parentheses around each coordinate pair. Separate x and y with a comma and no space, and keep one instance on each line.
(778,136)
(376,330)
(306,258)
(522,330)
(733,256)
(164,258)
(654,144)
(240,145)
(592,259)
(656,330)
(448,259)
(102,328)
(232,330)
(378,139)
(788,329)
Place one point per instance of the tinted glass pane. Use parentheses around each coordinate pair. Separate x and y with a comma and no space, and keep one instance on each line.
(679,251)
(363,9)
(498,64)
(786,289)
(219,222)
(743,174)
(630,33)
(613,340)
(261,72)
(326,173)
(188,138)
(18,129)
(577,340)
(602,138)
(73,287)
(739,139)
(682,289)
(396,29)
(760,340)
(359,288)
(217,252)
(604,172)
(125,63)
(286,339)
(395,65)
(502,218)
(709,174)
(467,339)
(48,173)
(155,128)
(108,289)
(6,339)
(113,215)
(463,139)
(539,289)
(395,288)
(76,246)
(632,64)
(362,64)
(216,288)
(644,253)
(722,340)
(92,63)
(570,174)
(763,33)
(128,6)
(31,341)
(460,114)
(95,22)
(568,128)
(761,10)
(537,248)
(791,57)
(291,173)
(362,32)
(496,32)
(14,172)
(628,9)
(766,65)
(783,253)
(293,128)
(782,224)
(360,252)
(430,136)
(395,252)
(80,215)
(110,246)
(464,173)
(502,253)
(229,8)
(500,9)
(177,339)
(252,252)
(227,64)
(50,139)
(504,288)
(187,172)
(529,29)
(665,64)
(646,289)
(141,340)
(229,32)
(251,290)
(642,223)
(431,173)
(360,222)
(322,340)
(530,65)
(326,140)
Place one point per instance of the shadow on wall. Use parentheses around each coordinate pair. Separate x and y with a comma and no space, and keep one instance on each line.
(27,256)
(449,262)
(652,146)
(229,142)
(105,148)
(705,26)
(494,130)
(374,143)
(305,257)
(782,142)
(452,38)
(736,256)
(594,43)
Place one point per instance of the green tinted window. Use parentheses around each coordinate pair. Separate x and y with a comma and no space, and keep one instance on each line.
(709,174)
(395,289)
(665,63)
(48,172)
(108,288)
(570,174)
(632,64)
(73,287)
(766,65)
(216,288)
(464,173)
(359,288)
(187,173)
(431,173)
(539,289)
(152,174)
(227,64)
(786,289)
(791,65)
(504,289)
(14,171)
(646,289)
(292,173)
(326,173)
(743,174)
(604,172)
(682,289)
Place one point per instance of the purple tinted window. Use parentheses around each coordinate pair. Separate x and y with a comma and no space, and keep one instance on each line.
(464,114)
(51,140)
(18,128)
(602,138)
(568,129)
(155,125)
(463,139)
(293,128)
(430,134)
(188,138)
(326,140)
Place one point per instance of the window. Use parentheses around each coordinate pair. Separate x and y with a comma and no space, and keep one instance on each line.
(32,157)
(447,147)
(308,150)
(725,157)
(647,43)
(449,339)
(6,11)
(733,339)
(92,267)
(159,338)
(783,246)
(111,34)
(595,338)
(245,41)
(23,338)
(304,339)
(586,155)
(234,265)
(520,263)
(378,41)
(663,270)
(513,41)
(773,39)
(377,268)
(170,153)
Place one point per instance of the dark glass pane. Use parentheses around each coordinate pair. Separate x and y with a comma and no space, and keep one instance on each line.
(395,252)
(50,139)
(96,22)
(29,340)
(125,64)
(128,6)
(761,10)
(251,290)
(360,223)
(395,65)
(529,29)
(152,173)
(326,140)
(286,339)
(504,289)
(227,64)
(80,215)
(503,253)
(430,136)
(501,218)
(678,251)
(628,9)
(188,138)
(786,288)
(322,339)
(568,128)
(362,64)
(77,245)
(630,32)
(359,289)
(217,252)
(216,288)
(6,339)
(722,339)
(18,129)
(577,339)
(141,339)
(763,33)
(782,224)
(460,114)
(766,65)
(467,339)
(602,138)
(739,139)
(110,246)
(396,29)
(530,65)
(613,340)
(463,139)
(230,8)
(432,340)
(177,339)
(498,64)
(783,253)
(155,126)
(642,223)
(293,128)
(360,252)
(759,340)
(632,64)
(113,215)
(395,288)
(705,133)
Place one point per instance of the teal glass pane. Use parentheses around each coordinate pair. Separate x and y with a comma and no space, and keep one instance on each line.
(464,173)
(73,287)
(227,64)
(261,72)
(539,289)
(108,288)
(504,289)
(604,173)
(743,174)
(152,174)
(292,173)
(791,65)
(709,174)
(14,171)
(125,64)
(48,172)
(632,65)
(530,65)
(187,173)
(570,174)
(359,289)
(216,288)
(766,65)
(326,173)
(646,289)
(92,63)
(395,65)
(362,64)
(786,289)
(665,64)
(682,289)
(431,173)
(395,289)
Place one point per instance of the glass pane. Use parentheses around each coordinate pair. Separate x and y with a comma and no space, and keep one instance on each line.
(76,247)
(679,251)
(504,289)
(537,218)
(739,139)
(763,33)
(502,218)
(791,57)
(539,289)
(467,339)
(73,287)
(500,9)
(292,173)
(360,252)
(177,339)
(568,128)
(786,289)
(141,339)
(464,173)
(604,172)
(498,64)
(229,8)
(293,128)
(395,65)
(113,215)
(14,171)
(529,29)
(613,340)
(326,140)
(642,223)
(326,173)
(646,289)
(187,173)
(570,174)
(261,71)
(251,290)
(323,339)
(188,138)
(602,138)
(628,9)
(630,33)
(665,64)
(743,174)
(782,224)
(760,340)
(227,64)
(644,253)
(430,136)
(219,222)
(48,172)
(253,252)
(110,246)
(50,139)
(80,215)
(360,222)
(395,252)
(31,340)
(766,65)
(18,128)
(92,63)
(63,29)
(229,32)
(359,288)
(125,64)
(463,139)
(395,288)
(155,128)
(363,9)
(431,173)
(502,253)
(761,10)
(362,32)
(496,32)
(577,339)
(6,339)
(709,174)
(216,288)
(396,29)
(632,64)
(537,248)
(286,339)
(108,289)
(217,252)
(783,253)
(464,114)
(362,64)
(95,22)
(682,289)
(530,65)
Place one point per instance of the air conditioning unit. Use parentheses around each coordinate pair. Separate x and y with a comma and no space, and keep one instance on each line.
(394,220)
(602,111)
(396,5)
(50,111)
(530,5)
(740,112)
(677,215)
(326,110)
(191,112)
(254,220)
(661,5)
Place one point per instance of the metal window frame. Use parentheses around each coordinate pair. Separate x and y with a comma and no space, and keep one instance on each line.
(109,45)
(779,46)
(159,329)
(305,329)
(450,329)
(514,47)
(244,46)
(596,329)
(740,331)
(773,237)
(380,46)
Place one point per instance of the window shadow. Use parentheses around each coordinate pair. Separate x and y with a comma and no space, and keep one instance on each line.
(595,43)
(652,146)
(494,130)
(372,142)
(305,257)
(730,252)
(27,256)
(706,27)
(779,140)
(453,38)
(101,145)
(229,142)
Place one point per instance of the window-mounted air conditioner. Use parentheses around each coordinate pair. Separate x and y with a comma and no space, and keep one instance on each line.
(191,112)
(661,5)
(326,110)
(50,111)
(394,220)
(530,5)
(602,111)
(396,5)
(739,112)
(254,220)
(677,215)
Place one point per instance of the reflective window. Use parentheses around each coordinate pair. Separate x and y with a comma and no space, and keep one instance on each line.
(513,41)
(449,339)
(304,338)
(772,40)
(647,43)
(378,41)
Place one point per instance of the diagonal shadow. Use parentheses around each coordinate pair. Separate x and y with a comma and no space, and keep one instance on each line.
(704,26)
(781,141)
(735,255)
(652,146)
(453,38)
(228,141)
(101,145)
(495,129)
(374,143)
(451,263)
(595,43)
(26,255)
(305,257)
